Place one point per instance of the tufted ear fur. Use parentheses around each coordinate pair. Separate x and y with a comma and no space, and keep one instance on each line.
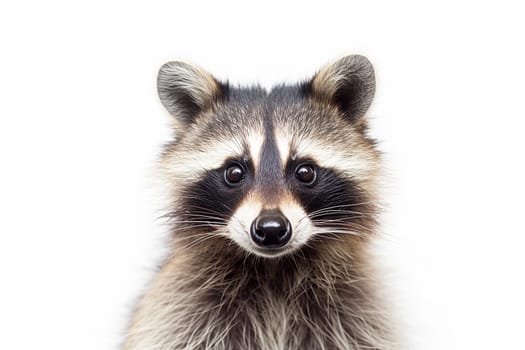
(347,83)
(186,90)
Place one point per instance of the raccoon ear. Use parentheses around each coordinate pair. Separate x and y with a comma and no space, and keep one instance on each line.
(186,90)
(347,83)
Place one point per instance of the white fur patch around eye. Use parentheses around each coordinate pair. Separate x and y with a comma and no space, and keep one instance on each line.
(283,145)
(190,165)
(255,141)
(358,164)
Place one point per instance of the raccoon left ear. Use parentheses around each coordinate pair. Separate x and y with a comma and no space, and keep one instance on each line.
(348,83)
(187,90)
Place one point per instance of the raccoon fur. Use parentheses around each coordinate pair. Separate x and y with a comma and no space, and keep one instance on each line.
(273,206)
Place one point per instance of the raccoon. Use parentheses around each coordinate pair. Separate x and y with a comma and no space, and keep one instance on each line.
(273,205)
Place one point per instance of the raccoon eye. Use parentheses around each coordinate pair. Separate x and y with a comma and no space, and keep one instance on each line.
(306,173)
(233,174)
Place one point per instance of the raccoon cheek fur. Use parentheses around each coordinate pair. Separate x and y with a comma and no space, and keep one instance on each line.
(272,208)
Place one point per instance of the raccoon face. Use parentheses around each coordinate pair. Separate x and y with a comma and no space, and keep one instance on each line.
(273,171)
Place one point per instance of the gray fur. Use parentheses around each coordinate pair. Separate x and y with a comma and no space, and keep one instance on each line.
(212,292)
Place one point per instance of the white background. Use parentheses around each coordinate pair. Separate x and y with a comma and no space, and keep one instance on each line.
(81,124)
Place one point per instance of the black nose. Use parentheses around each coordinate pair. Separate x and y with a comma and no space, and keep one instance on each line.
(271,229)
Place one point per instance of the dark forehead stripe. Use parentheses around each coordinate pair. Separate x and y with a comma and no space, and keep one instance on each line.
(269,172)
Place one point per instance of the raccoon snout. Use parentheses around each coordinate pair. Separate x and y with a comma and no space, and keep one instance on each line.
(271,229)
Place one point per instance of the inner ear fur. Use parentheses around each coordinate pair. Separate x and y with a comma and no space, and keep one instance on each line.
(187,90)
(348,83)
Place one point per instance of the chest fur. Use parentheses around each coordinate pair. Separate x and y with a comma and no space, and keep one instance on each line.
(238,306)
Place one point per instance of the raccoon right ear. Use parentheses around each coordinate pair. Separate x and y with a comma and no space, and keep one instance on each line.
(186,90)
(348,84)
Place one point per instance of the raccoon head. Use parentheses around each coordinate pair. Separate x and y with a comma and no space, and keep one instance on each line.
(273,171)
